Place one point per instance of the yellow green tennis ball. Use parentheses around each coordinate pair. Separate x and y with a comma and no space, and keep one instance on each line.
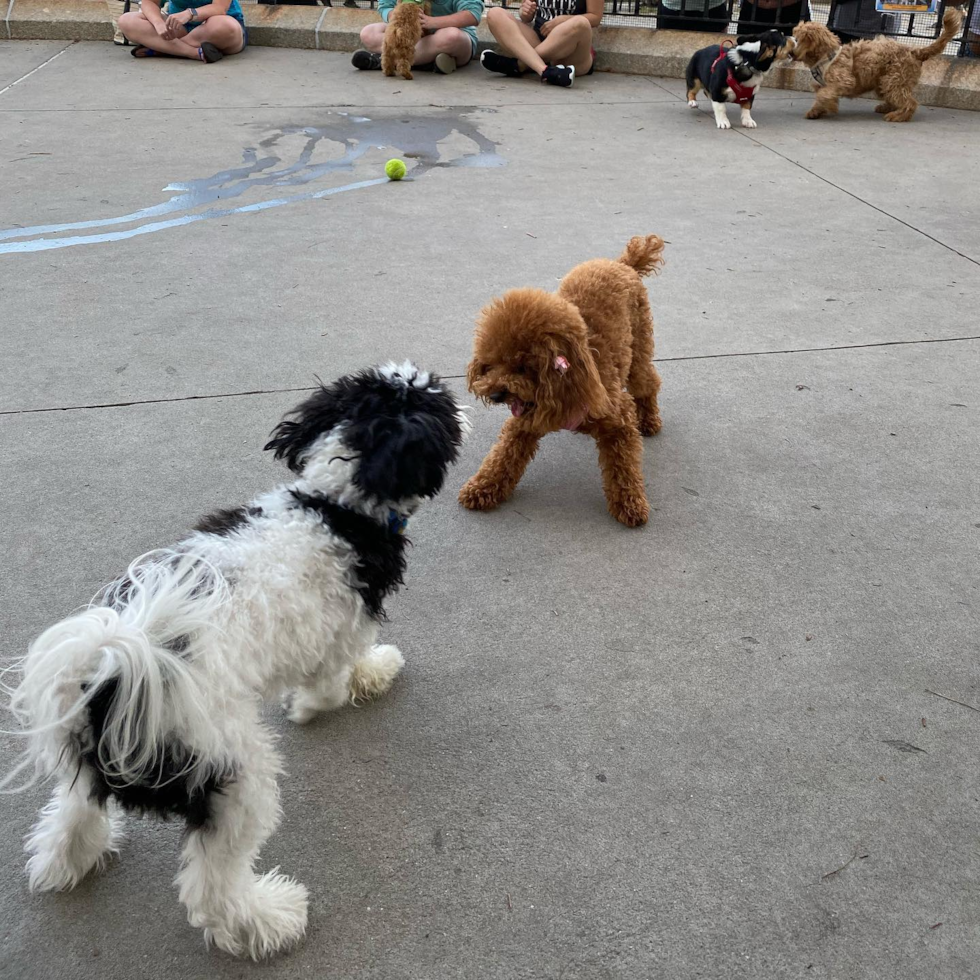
(395,169)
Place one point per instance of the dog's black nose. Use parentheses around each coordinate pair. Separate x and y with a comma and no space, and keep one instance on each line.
(498,396)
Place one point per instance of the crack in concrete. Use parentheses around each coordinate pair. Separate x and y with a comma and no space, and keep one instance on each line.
(39,67)
(457,377)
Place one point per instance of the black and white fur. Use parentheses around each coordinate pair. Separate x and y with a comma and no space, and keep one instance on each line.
(748,61)
(150,699)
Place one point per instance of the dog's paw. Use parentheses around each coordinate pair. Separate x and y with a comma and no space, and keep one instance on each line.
(883,107)
(693,103)
(898,116)
(749,123)
(631,510)
(813,114)
(269,917)
(476,496)
(723,123)
(374,674)
(650,427)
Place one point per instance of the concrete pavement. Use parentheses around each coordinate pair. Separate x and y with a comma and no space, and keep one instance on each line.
(700,750)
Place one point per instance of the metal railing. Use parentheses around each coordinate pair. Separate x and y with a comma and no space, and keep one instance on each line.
(849,19)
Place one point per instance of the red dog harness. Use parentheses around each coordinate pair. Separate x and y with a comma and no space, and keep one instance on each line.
(742,93)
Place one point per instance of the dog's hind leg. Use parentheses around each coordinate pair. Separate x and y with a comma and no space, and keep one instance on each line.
(375,672)
(643,382)
(75,834)
(897,95)
(692,92)
(502,470)
(620,456)
(242,913)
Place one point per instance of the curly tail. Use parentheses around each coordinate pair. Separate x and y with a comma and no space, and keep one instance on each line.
(644,253)
(952,22)
(130,647)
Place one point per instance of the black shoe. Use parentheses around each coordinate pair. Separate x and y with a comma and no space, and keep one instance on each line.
(366,61)
(559,75)
(210,53)
(500,64)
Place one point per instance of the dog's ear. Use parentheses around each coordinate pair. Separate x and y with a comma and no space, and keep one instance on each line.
(747,38)
(320,412)
(568,380)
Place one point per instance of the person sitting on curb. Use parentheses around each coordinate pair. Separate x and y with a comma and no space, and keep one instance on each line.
(552,38)
(204,33)
(448,41)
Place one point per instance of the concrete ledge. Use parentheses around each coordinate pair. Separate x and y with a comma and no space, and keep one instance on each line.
(953,83)
(65,20)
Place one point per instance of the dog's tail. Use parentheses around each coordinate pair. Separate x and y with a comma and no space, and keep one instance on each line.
(127,659)
(644,253)
(952,22)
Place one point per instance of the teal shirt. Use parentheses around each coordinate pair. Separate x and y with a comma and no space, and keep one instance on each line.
(441,8)
(234,10)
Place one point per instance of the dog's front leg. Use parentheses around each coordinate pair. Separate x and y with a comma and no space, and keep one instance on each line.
(721,115)
(747,121)
(503,468)
(825,102)
(620,457)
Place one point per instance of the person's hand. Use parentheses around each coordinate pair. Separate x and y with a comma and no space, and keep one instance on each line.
(547,27)
(176,21)
(161,28)
(528,9)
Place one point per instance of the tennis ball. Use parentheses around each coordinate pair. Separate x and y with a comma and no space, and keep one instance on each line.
(395,169)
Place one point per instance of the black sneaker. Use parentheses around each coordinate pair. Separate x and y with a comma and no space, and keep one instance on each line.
(210,53)
(559,75)
(366,61)
(500,64)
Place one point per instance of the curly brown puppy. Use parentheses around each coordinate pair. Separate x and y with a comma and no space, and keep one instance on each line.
(578,359)
(403,33)
(885,66)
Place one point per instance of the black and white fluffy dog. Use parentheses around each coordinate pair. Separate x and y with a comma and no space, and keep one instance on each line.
(149,700)
(734,74)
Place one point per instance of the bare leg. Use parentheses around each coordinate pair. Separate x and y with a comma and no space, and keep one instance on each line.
(74,835)
(516,38)
(373,37)
(570,43)
(620,456)
(225,33)
(242,913)
(504,466)
(446,40)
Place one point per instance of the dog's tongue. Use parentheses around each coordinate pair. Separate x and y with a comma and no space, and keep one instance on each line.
(517,408)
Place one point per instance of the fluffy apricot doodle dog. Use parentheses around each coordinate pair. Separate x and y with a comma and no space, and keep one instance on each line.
(149,700)
(577,359)
(402,34)
(884,66)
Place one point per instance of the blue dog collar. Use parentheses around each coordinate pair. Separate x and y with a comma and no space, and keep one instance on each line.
(396,523)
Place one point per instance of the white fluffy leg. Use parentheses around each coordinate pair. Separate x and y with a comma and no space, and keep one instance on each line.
(240,912)
(747,121)
(374,674)
(73,836)
(721,115)
(326,693)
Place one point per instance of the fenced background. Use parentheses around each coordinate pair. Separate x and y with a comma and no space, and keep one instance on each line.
(852,19)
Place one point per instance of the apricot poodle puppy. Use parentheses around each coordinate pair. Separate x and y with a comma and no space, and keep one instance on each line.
(403,33)
(884,66)
(578,359)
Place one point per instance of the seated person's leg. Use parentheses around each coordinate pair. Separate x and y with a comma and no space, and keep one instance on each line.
(447,40)
(144,35)
(517,39)
(373,37)
(569,43)
(224,32)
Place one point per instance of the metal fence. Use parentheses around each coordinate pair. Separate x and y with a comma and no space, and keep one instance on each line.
(850,19)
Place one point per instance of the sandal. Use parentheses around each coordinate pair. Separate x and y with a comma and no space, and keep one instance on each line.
(142,51)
